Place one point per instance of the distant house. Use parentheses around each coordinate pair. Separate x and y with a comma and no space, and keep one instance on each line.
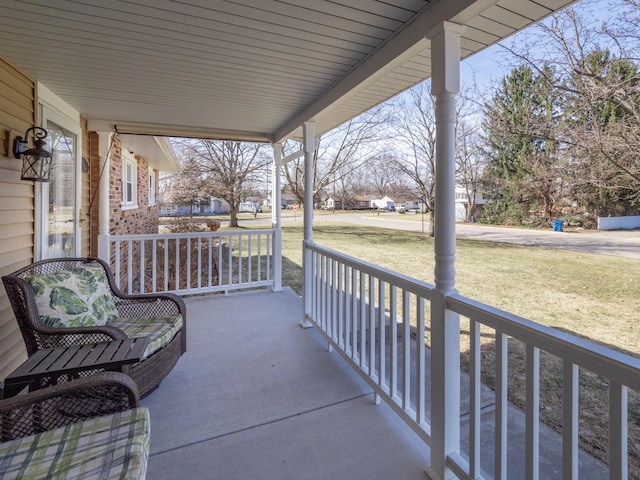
(359,202)
(288,199)
(330,204)
(462,204)
(209,206)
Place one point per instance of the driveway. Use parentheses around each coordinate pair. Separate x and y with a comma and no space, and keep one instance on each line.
(622,243)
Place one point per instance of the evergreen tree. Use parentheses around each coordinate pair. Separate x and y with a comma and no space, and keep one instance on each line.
(522,171)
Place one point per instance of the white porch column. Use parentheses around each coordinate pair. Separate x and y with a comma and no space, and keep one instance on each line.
(309,148)
(445,334)
(276,214)
(104,148)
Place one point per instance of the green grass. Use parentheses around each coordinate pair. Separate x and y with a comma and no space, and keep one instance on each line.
(594,296)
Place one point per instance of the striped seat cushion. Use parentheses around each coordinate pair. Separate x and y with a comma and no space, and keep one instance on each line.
(111,447)
(160,329)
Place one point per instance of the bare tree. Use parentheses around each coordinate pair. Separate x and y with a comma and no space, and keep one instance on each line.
(231,169)
(470,162)
(415,129)
(470,157)
(382,173)
(338,153)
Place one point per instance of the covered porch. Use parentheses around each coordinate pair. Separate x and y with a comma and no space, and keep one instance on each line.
(256,395)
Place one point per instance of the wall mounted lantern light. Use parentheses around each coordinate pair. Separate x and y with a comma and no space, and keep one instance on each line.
(36,162)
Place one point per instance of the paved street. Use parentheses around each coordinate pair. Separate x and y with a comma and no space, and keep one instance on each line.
(623,243)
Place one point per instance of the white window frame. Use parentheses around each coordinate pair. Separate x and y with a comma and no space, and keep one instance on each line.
(152,188)
(129,203)
(53,108)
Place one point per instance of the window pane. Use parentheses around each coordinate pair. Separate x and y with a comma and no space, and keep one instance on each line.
(60,218)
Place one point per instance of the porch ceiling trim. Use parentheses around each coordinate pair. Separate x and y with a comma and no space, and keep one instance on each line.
(191,132)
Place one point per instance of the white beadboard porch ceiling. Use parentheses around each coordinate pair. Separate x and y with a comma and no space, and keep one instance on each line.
(239,69)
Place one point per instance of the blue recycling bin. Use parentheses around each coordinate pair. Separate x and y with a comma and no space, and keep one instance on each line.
(557,225)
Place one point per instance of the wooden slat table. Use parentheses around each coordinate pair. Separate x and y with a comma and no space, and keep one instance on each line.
(52,363)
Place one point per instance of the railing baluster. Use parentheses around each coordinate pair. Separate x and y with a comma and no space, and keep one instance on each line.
(141,289)
(334,302)
(618,430)
(372,326)
(188,265)
(240,244)
(382,347)
(270,238)
(406,351)
(249,259)
(177,279)
(362,319)
(340,306)
(118,273)
(154,265)
(532,444)
(323,300)
(500,446)
(166,264)
(393,339)
(475,401)
(210,261)
(354,314)
(316,259)
(420,364)
(199,266)
(259,264)
(130,267)
(220,262)
(230,260)
(570,392)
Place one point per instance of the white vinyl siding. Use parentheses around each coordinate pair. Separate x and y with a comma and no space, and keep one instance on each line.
(17,113)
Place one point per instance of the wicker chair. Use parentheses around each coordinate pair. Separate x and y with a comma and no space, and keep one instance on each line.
(89,427)
(37,335)
(69,402)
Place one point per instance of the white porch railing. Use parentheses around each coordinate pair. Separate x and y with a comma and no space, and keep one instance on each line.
(189,263)
(376,319)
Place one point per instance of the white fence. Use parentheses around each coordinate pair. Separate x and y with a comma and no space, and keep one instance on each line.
(619,223)
(379,321)
(188,263)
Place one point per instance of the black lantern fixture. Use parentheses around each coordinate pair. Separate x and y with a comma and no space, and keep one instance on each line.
(36,162)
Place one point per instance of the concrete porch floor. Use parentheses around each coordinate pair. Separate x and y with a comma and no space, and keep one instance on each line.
(257,396)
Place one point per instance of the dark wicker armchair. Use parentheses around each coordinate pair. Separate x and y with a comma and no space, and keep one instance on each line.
(37,334)
(89,427)
(59,405)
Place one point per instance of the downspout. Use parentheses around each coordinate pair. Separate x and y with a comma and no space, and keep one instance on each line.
(309,147)
(104,143)
(445,324)
(276,217)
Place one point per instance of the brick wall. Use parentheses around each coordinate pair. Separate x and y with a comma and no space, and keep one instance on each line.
(143,219)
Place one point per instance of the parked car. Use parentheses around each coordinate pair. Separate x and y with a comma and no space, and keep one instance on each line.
(247,207)
(258,208)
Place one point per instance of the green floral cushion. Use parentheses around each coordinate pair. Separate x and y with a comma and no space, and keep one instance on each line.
(74,298)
